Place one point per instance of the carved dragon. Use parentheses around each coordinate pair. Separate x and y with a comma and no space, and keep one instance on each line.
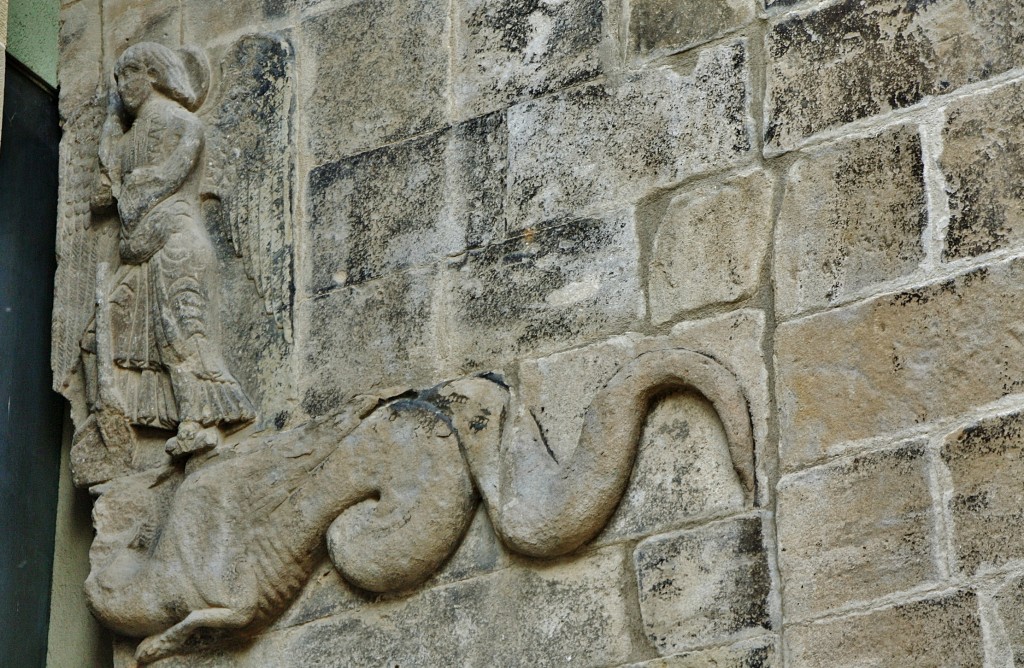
(387,485)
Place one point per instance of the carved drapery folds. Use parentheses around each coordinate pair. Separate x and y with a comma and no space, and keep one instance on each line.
(207,522)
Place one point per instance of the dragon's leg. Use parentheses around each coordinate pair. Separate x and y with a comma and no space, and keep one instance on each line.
(171,641)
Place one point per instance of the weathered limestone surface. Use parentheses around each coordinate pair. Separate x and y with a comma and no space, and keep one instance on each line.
(756,653)
(508,51)
(375,73)
(704,585)
(983,162)
(853,214)
(848,60)
(658,27)
(848,538)
(711,245)
(898,360)
(942,631)
(985,461)
(490,333)
(588,146)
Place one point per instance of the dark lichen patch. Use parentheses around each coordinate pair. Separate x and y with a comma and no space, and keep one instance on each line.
(730,554)
(557,284)
(983,163)
(664,26)
(986,463)
(842,62)
(407,204)
(515,50)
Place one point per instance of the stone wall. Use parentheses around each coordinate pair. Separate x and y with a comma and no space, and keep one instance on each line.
(825,197)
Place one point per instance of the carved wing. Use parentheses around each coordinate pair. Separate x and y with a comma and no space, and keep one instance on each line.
(250,165)
(81,244)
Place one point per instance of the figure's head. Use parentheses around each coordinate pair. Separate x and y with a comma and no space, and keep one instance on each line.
(147,67)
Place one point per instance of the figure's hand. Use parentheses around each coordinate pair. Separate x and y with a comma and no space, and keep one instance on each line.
(104,195)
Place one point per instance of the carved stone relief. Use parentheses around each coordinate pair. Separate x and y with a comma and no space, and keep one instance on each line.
(207,524)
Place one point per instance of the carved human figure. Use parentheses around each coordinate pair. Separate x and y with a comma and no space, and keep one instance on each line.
(164,367)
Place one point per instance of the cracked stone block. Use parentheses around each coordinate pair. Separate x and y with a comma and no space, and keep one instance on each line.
(710,246)
(844,61)
(553,287)
(658,27)
(939,632)
(852,216)
(368,337)
(983,162)
(756,653)
(899,360)
(986,464)
(705,585)
(573,152)
(507,51)
(375,72)
(407,204)
(844,536)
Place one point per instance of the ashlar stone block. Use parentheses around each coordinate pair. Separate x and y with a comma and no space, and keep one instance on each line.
(986,463)
(755,653)
(703,585)
(899,360)
(983,162)
(127,22)
(939,632)
(549,288)
(572,153)
(574,609)
(658,27)
(375,72)
(1009,602)
(369,337)
(710,246)
(837,63)
(506,51)
(855,529)
(80,43)
(852,216)
(406,204)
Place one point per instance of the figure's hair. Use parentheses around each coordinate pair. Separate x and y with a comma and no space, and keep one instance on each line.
(170,76)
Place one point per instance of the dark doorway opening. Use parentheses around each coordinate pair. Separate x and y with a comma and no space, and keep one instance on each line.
(31,414)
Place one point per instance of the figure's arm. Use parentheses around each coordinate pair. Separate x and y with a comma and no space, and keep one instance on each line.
(145,187)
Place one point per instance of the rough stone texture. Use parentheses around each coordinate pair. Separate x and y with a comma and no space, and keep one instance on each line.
(703,585)
(939,632)
(756,653)
(554,287)
(848,538)
(127,22)
(848,60)
(898,360)
(986,462)
(983,162)
(577,150)
(375,72)
(682,471)
(368,337)
(81,38)
(207,22)
(1009,602)
(451,185)
(505,51)
(574,612)
(658,27)
(853,215)
(710,246)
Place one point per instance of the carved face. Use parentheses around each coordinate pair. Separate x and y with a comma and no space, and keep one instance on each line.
(134,85)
